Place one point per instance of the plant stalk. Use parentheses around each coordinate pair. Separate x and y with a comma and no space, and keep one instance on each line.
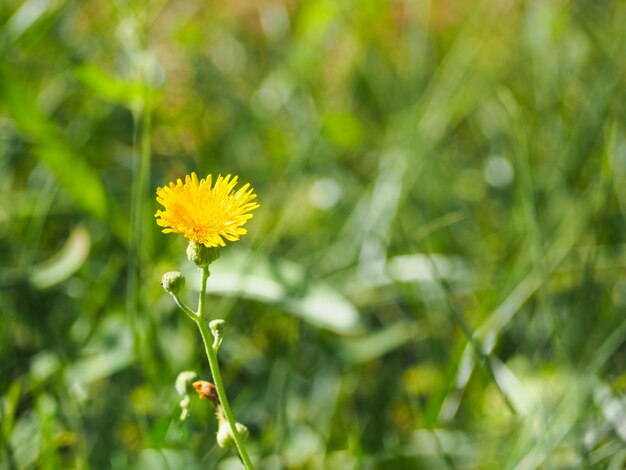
(211,353)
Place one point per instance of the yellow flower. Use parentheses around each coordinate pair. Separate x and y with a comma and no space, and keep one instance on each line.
(203,213)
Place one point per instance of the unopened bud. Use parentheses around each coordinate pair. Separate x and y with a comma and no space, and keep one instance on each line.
(217,327)
(206,390)
(182,381)
(202,255)
(225,436)
(173,282)
(217,330)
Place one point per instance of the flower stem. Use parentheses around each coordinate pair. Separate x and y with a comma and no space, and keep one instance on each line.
(211,353)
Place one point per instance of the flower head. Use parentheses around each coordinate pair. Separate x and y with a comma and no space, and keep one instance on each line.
(203,213)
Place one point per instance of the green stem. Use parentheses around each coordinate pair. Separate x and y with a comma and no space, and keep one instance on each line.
(211,353)
(183,306)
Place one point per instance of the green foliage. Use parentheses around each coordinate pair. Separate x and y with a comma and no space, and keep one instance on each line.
(435,278)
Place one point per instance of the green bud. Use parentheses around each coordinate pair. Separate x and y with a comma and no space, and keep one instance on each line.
(202,255)
(217,327)
(182,383)
(217,330)
(173,282)
(183,380)
(225,436)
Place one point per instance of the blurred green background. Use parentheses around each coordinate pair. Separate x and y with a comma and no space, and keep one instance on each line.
(436,277)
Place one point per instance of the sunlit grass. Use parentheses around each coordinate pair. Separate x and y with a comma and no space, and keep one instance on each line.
(436,279)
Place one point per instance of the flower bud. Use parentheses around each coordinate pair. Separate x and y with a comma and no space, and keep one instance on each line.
(217,327)
(225,436)
(173,282)
(202,255)
(206,390)
(217,330)
(182,381)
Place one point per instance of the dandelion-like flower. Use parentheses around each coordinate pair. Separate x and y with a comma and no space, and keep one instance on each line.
(205,214)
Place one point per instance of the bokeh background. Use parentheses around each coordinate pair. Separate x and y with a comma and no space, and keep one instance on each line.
(436,277)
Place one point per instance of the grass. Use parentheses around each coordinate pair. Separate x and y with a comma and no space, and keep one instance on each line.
(435,278)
